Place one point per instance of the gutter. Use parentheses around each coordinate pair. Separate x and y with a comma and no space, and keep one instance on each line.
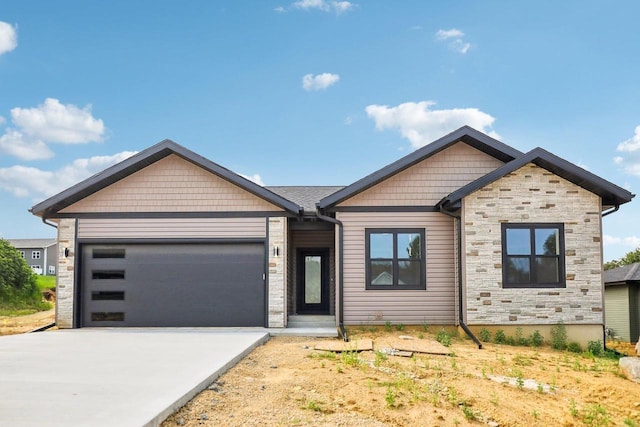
(342,330)
(463,325)
(612,210)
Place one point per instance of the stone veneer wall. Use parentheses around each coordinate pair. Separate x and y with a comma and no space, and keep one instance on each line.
(532,194)
(66,273)
(277,272)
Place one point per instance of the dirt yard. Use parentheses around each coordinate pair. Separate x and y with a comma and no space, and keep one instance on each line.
(10,325)
(287,383)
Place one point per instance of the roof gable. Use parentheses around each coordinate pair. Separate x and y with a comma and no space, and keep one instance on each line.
(611,194)
(465,134)
(133,164)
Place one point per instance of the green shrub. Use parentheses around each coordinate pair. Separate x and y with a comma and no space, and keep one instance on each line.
(484,335)
(387,326)
(443,338)
(536,339)
(559,336)
(595,347)
(18,286)
(500,337)
(574,347)
(521,340)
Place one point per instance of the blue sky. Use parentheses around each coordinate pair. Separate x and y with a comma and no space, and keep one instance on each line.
(311,92)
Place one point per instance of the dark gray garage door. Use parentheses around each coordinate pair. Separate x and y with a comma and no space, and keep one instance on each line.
(173,285)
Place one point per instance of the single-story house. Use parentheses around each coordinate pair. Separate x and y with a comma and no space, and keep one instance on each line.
(464,231)
(622,301)
(41,254)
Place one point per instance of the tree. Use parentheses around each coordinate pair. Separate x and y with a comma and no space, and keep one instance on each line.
(629,258)
(18,287)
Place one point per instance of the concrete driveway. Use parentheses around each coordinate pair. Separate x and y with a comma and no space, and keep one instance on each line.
(112,377)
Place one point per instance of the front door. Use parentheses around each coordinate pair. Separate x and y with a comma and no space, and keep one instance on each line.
(313,281)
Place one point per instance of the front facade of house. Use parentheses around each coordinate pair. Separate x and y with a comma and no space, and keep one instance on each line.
(464,231)
(41,254)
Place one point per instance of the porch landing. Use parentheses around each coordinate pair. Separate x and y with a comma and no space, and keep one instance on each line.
(308,326)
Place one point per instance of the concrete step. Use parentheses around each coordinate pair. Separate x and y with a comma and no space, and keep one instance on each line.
(311,321)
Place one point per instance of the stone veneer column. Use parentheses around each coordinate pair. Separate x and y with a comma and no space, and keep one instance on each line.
(277,272)
(533,195)
(66,273)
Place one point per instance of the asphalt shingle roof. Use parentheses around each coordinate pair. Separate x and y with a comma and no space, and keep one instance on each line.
(305,196)
(31,243)
(626,273)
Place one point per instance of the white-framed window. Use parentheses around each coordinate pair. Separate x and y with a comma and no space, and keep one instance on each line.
(52,269)
(36,269)
(22,254)
(35,255)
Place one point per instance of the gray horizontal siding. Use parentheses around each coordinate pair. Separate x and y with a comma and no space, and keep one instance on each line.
(435,305)
(168,228)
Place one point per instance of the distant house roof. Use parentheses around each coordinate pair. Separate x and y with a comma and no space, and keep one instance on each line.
(466,134)
(611,194)
(626,274)
(307,197)
(143,159)
(31,243)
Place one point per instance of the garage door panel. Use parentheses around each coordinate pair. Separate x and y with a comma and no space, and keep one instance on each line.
(176,285)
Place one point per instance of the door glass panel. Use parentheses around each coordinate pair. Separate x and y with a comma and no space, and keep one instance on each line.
(312,279)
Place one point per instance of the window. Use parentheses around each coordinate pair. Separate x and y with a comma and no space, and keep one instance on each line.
(35,255)
(52,269)
(533,256)
(22,254)
(395,259)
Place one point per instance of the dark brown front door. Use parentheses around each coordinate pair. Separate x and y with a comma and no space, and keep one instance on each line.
(313,281)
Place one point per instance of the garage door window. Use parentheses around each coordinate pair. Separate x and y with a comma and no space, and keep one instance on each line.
(107,274)
(98,253)
(108,316)
(107,295)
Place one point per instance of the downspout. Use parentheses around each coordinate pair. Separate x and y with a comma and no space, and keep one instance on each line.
(604,327)
(337,222)
(459,237)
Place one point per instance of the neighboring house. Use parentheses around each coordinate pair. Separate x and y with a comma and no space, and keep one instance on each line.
(622,301)
(41,254)
(464,231)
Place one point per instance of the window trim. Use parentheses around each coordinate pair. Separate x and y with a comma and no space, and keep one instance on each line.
(35,254)
(423,259)
(562,283)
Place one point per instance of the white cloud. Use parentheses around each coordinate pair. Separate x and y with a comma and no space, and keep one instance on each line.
(421,125)
(454,37)
(254,178)
(15,144)
(8,37)
(631,241)
(449,34)
(630,162)
(348,120)
(632,144)
(23,181)
(279,9)
(338,7)
(319,81)
(54,122)
(50,122)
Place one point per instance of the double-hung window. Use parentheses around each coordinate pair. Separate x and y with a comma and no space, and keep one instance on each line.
(395,259)
(533,255)
(35,255)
